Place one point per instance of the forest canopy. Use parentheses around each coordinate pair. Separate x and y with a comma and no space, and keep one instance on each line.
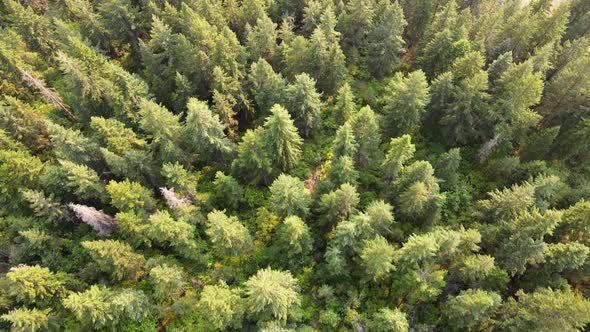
(310,165)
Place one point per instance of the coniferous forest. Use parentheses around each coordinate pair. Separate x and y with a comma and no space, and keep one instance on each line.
(294,165)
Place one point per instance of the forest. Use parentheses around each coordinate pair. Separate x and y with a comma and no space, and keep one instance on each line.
(294,165)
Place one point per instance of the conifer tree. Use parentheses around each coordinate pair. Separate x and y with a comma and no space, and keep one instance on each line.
(343,171)
(281,139)
(228,235)
(304,103)
(472,309)
(405,102)
(164,129)
(365,129)
(401,150)
(116,258)
(34,285)
(344,107)
(266,86)
(377,256)
(389,320)
(24,319)
(385,42)
(271,293)
(205,132)
(261,39)
(444,40)
(289,197)
(220,306)
(344,144)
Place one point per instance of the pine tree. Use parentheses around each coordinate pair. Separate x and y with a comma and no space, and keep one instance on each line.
(289,197)
(116,258)
(28,320)
(168,281)
(385,42)
(23,123)
(460,99)
(444,40)
(18,170)
(266,86)
(328,63)
(377,256)
(253,161)
(401,150)
(517,90)
(365,129)
(343,171)
(221,307)
(228,192)
(389,320)
(380,216)
(228,235)
(344,144)
(34,285)
(293,242)
(126,195)
(205,132)
(83,181)
(261,39)
(355,23)
(271,293)
(405,102)
(546,309)
(344,107)
(164,129)
(472,309)
(281,139)
(341,203)
(304,103)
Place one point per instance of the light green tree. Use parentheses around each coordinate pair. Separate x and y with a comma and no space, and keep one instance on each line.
(377,257)
(116,258)
(289,197)
(405,103)
(221,307)
(228,235)
(271,293)
(28,320)
(389,320)
(472,308)
(304,102)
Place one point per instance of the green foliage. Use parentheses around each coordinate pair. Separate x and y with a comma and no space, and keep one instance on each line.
(289,197)
(28,320)
(116,258)
(228,192)
(365,129)
(472,309)
(154,176)
(401,150)
(389,320)
(404,103)
(126,195)
(377,256)
(546,310)
(102,307)
(221,307)
(168,281)
(271,293)
(34,285)
(228,235)
(205,132)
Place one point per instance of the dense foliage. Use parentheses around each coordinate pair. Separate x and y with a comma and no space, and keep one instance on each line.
(275,165)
